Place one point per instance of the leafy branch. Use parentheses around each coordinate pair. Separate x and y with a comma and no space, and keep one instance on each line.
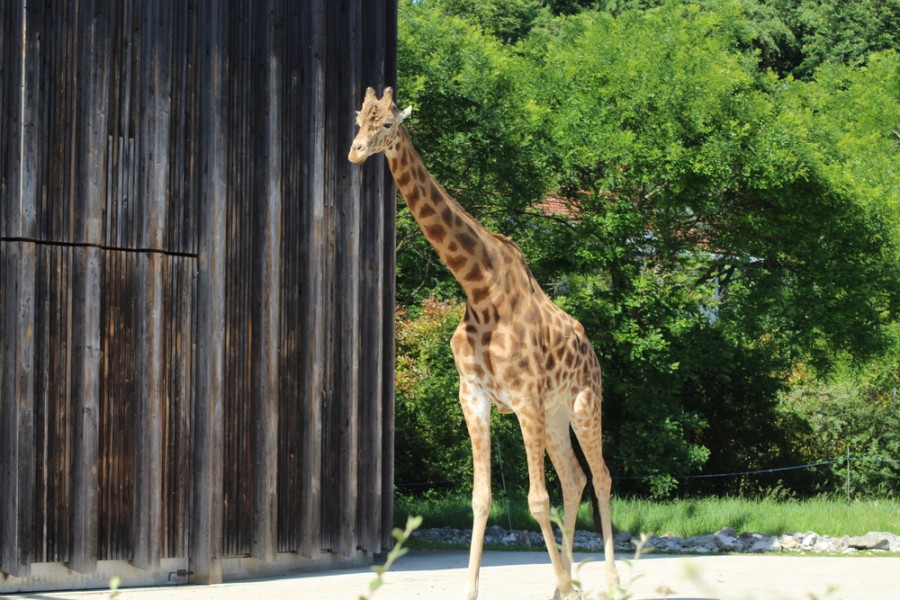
(412,523)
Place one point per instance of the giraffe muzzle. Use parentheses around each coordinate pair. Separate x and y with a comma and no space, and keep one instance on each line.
(358,153)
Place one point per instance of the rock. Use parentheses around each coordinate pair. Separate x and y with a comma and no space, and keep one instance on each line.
(871,541)
(495,531)
(766,544)
(704,543)
(727,543)
(789,542)
(724,540)
(668,542)
(827,543)
(727,531)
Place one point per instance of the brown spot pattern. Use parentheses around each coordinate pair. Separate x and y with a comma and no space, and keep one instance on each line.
(436,232)
(456,262)
(475,273)
(412,198)
(467,241)
(480,294)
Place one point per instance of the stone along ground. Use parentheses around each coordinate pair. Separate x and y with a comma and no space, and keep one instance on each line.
(726,540)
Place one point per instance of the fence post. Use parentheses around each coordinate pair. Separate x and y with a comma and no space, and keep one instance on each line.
(848,474)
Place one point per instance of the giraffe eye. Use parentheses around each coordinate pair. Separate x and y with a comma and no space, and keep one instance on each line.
(387,125)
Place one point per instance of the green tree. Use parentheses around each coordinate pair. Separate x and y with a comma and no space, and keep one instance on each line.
(507,20)
(852,412)
(841,32)
(431,443)
(468,127)
(706,200)
(724,224)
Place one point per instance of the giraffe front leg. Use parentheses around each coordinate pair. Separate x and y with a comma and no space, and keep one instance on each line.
(477,412)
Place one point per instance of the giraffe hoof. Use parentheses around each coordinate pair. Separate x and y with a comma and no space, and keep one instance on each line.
(572,594)
(469,594)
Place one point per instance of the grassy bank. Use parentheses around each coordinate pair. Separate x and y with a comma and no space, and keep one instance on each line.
(683,518)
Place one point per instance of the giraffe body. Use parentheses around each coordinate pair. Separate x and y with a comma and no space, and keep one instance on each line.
(514,349)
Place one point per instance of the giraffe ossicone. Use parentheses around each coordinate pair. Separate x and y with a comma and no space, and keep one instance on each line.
(514,349)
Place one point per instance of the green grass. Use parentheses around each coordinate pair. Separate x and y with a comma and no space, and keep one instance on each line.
(682,518)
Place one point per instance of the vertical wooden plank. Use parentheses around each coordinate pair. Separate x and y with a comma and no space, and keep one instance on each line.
(241,325)
(330,416)
(18,186)
(343,194)
(178,298)
(388,290)
(54,354)
(18,178)
(313,169)
(267,275)
(8,11)
(120,381)
(377,196)
(18,211)
(91,103)
(17,277)
(41,405)
(85,408)
(206,525)
(154,135)
(147,516)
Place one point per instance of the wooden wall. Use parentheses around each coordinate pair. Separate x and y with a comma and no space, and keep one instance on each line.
(196,286)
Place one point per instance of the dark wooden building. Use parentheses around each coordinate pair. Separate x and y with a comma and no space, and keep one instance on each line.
(196,289)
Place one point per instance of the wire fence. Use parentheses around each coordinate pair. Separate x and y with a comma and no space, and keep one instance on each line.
(844,459)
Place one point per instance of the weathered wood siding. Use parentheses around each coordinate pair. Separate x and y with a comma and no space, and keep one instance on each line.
(196,286)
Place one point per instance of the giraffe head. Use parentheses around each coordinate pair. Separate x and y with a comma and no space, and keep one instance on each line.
(379,122)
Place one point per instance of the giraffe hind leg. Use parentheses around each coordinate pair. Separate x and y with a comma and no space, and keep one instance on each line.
(571,477)
(533,434)
(587,425)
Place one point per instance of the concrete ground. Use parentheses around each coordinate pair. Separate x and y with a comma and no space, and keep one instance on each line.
(438,575)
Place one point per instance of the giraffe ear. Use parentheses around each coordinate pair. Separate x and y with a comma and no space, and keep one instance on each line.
(402,116)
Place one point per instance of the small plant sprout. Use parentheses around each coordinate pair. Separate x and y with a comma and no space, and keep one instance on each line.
(412,523)
(114,584)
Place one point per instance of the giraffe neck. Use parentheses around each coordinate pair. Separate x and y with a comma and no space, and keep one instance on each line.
(463,244)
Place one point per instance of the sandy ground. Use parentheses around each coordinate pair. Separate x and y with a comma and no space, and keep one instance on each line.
(436,575)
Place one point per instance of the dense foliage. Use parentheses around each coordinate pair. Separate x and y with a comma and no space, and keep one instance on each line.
(732,239)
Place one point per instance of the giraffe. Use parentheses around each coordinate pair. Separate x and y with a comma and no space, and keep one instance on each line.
(514,349)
